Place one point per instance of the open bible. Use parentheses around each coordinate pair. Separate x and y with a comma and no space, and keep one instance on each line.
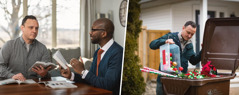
(10,81)
(43,64)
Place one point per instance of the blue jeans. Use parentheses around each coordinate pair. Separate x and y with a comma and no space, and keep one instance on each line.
(159,89)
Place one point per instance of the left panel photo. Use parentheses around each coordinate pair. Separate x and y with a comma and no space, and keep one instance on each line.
(62,47)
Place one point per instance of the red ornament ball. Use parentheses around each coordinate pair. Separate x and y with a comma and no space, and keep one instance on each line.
(180,68)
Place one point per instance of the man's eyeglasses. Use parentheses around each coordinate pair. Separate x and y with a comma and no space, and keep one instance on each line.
(97,29)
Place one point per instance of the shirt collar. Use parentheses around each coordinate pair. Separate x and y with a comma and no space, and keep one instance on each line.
(182,40)
(107,45)
(23,42)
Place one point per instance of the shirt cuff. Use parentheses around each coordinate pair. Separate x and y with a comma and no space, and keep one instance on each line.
(72,76)
(84,74)
(10,75)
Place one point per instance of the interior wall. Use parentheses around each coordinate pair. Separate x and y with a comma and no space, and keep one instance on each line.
(112,7)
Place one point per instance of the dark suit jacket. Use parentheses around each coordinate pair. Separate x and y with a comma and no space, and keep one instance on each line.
(109,73)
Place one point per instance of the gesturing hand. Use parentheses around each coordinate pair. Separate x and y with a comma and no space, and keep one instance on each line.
(65,72)
(40,70)
(77,65)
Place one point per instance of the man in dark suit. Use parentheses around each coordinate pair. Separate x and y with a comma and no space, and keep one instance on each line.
(105,71)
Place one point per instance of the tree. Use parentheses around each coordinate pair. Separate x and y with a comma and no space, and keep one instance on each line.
(12,16)
(133,82)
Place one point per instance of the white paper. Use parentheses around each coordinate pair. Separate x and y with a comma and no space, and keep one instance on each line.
(60,59)
(60,78)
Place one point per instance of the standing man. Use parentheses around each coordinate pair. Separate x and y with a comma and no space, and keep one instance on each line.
(18,55)
(105,71)
(183,40)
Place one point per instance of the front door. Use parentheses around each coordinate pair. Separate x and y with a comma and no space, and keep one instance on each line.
(210,14)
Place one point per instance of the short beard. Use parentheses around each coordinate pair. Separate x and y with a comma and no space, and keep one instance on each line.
(96,41)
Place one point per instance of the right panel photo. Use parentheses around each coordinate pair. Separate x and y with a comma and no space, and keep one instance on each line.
(181,47)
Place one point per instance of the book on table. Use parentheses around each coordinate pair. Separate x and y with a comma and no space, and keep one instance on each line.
(12,81)
(60,84)
(45,65)
(56,82)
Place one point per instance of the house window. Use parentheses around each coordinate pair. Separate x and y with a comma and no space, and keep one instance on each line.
(68,23)
(10,21)
(42,9)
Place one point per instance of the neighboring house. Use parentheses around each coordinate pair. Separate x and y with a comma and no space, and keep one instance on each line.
(172,14)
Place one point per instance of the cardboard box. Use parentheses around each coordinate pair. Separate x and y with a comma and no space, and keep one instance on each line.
(221,46)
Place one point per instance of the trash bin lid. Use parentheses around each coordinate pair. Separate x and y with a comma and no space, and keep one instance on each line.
(221,43)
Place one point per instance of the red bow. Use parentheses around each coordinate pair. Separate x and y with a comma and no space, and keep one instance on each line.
(209,70)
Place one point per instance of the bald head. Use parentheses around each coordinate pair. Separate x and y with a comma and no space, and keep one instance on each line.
(107,25)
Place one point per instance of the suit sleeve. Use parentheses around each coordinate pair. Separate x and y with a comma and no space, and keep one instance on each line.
(78,78)
(111,79)
(155,44)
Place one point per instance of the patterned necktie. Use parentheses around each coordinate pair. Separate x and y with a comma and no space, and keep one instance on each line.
(100,51)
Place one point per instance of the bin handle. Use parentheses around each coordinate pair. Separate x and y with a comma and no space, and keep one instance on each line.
(236,64)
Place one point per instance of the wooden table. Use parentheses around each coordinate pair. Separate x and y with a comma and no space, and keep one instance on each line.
(41,89)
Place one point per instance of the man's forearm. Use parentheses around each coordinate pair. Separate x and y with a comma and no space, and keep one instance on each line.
(157,43)
(4,72)
(195,58)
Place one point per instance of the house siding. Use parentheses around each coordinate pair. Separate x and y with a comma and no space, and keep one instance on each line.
(157,18)
(181,13)
(112,7)
(173,16)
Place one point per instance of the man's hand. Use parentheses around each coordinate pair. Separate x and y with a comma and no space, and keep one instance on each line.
(77,65)
(19,76)
(170,41)
(65,72)
(40,70)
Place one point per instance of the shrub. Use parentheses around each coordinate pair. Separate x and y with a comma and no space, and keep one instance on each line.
(133,82)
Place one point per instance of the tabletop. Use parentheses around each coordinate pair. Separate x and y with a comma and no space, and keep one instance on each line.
(41,89)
